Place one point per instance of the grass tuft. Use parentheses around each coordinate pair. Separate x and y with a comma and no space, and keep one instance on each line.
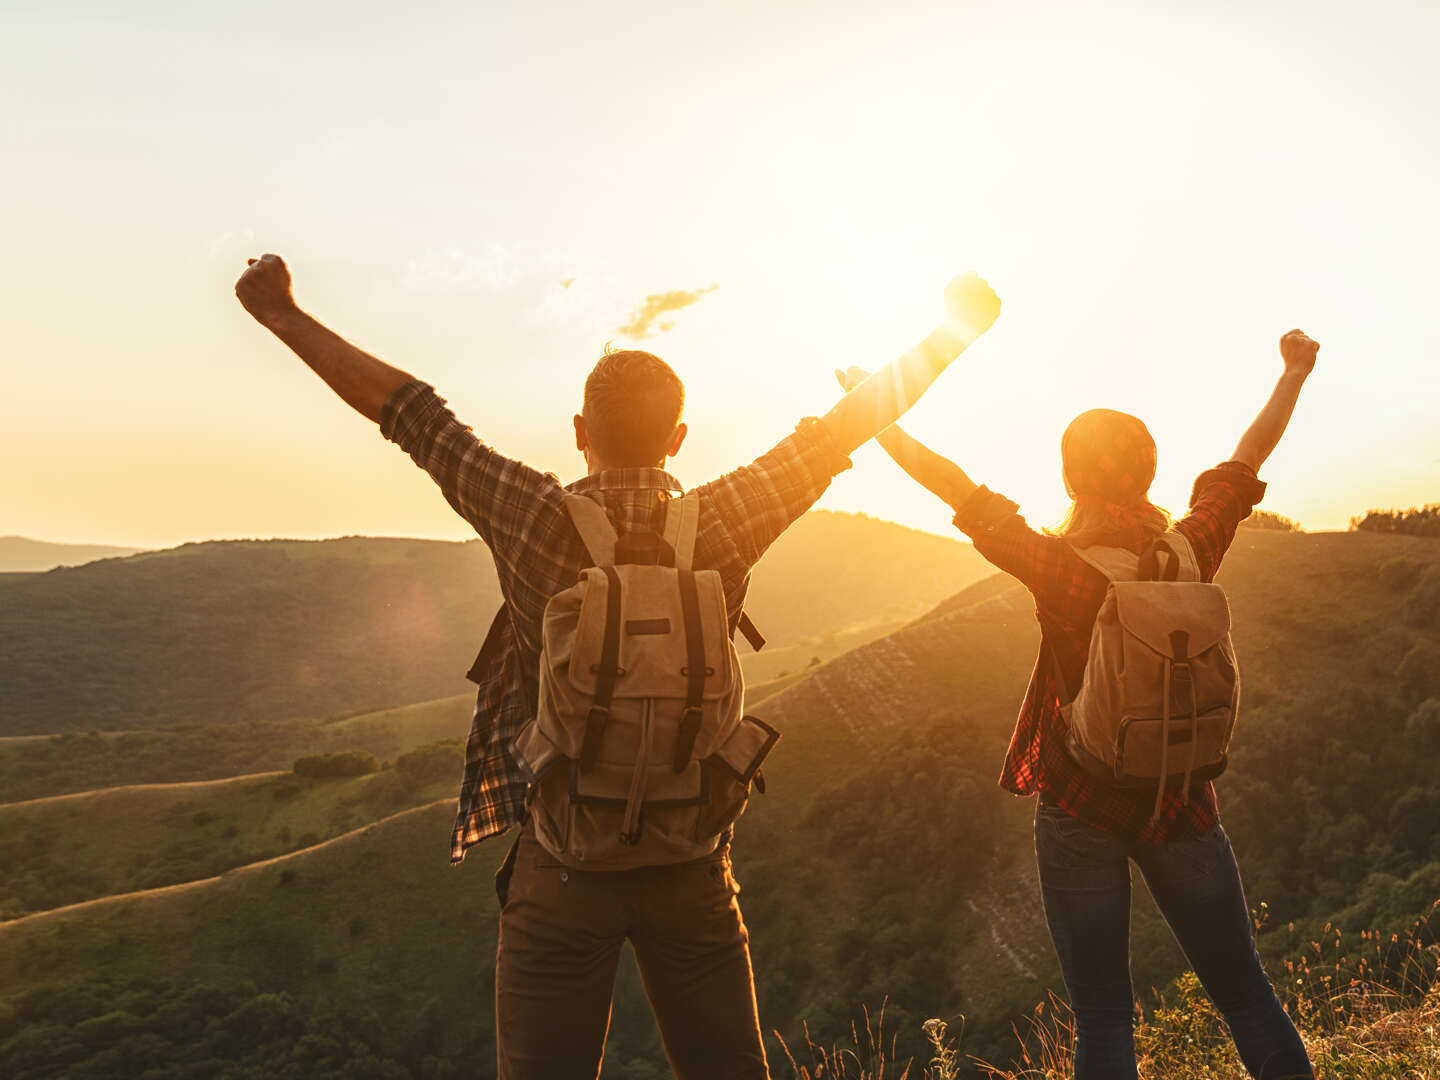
(1368,1010)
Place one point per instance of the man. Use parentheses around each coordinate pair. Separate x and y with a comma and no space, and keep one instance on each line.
(561,929)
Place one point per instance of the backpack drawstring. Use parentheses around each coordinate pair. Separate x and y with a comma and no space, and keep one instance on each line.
(1164,743)
(1194,735)
(630,826)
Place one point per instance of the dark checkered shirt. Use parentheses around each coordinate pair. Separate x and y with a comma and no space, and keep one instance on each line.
(1068,593)
(519,512)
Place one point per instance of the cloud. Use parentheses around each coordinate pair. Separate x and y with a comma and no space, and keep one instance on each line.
(457,271)
(645,321)
(221,245)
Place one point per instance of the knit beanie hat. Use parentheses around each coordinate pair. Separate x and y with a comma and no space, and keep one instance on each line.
(1108,455)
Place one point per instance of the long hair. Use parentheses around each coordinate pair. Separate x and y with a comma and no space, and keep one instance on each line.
(1093,520)
(1108,459)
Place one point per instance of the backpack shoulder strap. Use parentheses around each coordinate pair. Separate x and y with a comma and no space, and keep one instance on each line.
(1116,564)
(596,532)
(682,523)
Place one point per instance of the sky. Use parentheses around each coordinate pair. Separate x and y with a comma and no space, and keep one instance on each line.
(485,194)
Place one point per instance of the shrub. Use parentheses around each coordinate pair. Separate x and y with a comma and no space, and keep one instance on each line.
(1264,519)
(1419,672)
(1414,818)
(1422,606)
(1399,572)
(1416,521)
(438,761)
(334,766)
(1422,729)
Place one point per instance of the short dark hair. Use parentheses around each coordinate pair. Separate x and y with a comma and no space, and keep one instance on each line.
(633,404)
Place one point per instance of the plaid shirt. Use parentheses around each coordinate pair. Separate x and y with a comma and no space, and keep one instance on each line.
(520,514)
(1068,593)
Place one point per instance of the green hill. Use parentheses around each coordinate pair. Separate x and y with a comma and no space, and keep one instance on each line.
(35,766)
(258,631)
(73,848)
(830,573)
(241,631)
(883,861)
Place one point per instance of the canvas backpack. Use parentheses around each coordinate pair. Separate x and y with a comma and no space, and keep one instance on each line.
(1161,684)
(640,753)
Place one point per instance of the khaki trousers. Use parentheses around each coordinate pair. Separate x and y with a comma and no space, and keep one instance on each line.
(560,936)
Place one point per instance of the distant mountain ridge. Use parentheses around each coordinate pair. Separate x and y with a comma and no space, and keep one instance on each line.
(242,630)
(20,554)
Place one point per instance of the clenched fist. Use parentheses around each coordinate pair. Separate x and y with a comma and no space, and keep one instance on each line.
(1298,351)
(264,288)
(851,377)
(970,306)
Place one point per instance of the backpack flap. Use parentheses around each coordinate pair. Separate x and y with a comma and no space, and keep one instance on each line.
(1177,620)
(653,649)
(608,782)
(742,754)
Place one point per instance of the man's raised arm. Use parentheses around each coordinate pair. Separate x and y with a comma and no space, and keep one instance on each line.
(364,382)
(876,403)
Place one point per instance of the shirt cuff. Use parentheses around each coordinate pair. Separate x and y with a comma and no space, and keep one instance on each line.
(983,512)
(818,448)
(1235,475)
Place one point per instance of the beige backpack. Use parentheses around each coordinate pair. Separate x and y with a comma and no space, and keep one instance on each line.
(1161,684)
(640,754)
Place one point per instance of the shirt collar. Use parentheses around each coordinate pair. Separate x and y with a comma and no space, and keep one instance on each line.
(643,478)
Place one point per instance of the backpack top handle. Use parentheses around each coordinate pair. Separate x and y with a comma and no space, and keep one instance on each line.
(1160,562)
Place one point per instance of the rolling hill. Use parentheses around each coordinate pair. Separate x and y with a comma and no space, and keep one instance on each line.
(882,862)
(250,631)
(72,848)
(19,554)
(37,766)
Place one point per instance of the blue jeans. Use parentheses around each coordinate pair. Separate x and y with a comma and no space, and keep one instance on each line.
(1085,882)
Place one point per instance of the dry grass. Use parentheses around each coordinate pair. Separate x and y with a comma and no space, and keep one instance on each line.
(1370,1011)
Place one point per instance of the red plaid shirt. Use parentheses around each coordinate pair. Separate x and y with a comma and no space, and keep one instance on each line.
(520,514)
(1068,593)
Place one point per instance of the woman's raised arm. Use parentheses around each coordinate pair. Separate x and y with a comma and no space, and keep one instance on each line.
(1263,435)
(933,471)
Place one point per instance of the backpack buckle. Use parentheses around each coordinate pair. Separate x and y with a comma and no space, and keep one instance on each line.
(595,722)
(685,736)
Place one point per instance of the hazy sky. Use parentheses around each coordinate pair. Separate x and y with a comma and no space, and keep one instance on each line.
(1157,192)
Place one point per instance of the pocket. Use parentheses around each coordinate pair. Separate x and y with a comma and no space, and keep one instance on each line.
(716,876)
(1064,843)
(726,802)
(506,872)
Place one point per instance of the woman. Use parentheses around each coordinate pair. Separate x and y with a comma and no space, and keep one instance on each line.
(1087,832)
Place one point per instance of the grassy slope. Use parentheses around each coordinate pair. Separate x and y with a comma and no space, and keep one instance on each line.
(241,632)
(1310,611)
(832,573)
(376,918)
(73,848)
(36,766)
(257,631)
(255,924)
